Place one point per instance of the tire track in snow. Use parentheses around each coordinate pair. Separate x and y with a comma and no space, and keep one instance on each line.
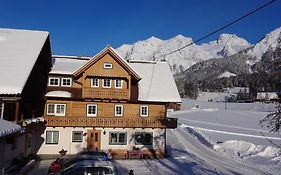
(232,133)
(222,164)
(227,126)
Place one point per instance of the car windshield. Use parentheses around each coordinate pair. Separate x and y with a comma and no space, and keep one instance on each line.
(73,160)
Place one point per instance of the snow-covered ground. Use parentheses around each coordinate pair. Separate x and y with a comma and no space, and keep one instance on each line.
(211,140)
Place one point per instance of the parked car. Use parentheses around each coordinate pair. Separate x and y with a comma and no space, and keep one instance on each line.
(63,163)
(99,154)
(89,167)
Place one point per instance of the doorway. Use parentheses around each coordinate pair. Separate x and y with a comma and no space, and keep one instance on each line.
(94,139)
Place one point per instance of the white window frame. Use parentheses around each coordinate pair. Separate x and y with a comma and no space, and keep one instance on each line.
(55,113)
(141,110)
(96,110)
(117,141)
(52,137)
(92,82)
(121,83)
(107,65)
(53,78)
(103,80)
(115,110)
(66,80)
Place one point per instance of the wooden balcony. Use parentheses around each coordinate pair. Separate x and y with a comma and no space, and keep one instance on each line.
(122,94)
(111,122)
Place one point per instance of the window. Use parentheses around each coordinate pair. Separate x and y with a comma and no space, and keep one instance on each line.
(52,137)
(106,83)
(143,138)
(92,110)
(118,83)
(94,82)
(66,82)
(77,136)
(118,138)
(107,65)
(118,110)
(56,109)
(143,111)
(54,81)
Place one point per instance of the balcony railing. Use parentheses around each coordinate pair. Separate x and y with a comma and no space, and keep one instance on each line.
(105,93)
(111,122)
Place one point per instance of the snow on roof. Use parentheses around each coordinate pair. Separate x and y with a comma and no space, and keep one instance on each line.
(19,50)
(157,83)
(7,128)
(226,74)
(267,95)
(66,66)
(64,94)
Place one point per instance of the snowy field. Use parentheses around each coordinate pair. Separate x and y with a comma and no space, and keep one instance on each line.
(211,139)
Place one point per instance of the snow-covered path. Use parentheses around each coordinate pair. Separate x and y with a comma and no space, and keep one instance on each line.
(221,163)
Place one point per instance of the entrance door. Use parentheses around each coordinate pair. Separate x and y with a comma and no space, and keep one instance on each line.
(94,139)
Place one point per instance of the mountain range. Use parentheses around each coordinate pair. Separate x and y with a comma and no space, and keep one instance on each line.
(225,45)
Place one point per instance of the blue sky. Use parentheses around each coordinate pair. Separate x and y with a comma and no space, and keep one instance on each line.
(85,27)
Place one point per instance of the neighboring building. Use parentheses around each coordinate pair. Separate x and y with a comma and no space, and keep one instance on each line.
(107,103)
(8,130)
(267,96)
(25,62)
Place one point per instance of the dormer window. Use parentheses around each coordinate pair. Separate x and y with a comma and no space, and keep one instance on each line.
(66,82)
(54,81)
(107,65)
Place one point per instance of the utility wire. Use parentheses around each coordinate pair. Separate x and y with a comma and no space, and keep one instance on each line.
(206,36)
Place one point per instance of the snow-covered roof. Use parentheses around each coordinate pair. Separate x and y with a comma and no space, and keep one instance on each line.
(19,50)
(64,94)
(65,65)
(226,74)
(157,83)
(7,128)
(267,95)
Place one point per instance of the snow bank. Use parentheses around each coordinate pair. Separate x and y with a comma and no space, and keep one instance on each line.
(265,157)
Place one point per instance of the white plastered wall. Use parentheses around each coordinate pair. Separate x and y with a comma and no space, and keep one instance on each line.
(65,139)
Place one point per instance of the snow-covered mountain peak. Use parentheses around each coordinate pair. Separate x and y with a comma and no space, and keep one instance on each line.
(224,46)
(153,39)
(271,41)
(231,39)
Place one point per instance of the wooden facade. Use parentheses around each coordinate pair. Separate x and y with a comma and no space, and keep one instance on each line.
(103,93)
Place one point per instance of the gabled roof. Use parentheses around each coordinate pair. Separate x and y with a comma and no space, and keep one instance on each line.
(7,128)
(115,55)
(157,83)
(19,50)
(66,65)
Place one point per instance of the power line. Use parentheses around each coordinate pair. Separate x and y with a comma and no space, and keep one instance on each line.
(206,36)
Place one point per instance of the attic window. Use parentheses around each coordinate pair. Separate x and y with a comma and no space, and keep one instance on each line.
(107,65)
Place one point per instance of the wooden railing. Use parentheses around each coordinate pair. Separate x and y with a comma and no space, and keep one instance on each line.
(111,122)
(105,93)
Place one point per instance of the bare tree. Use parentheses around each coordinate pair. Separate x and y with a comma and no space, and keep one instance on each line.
(273,120)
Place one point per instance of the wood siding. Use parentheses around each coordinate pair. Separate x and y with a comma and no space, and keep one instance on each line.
(98,71)
(76,115)
(104,109)
(111,122)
